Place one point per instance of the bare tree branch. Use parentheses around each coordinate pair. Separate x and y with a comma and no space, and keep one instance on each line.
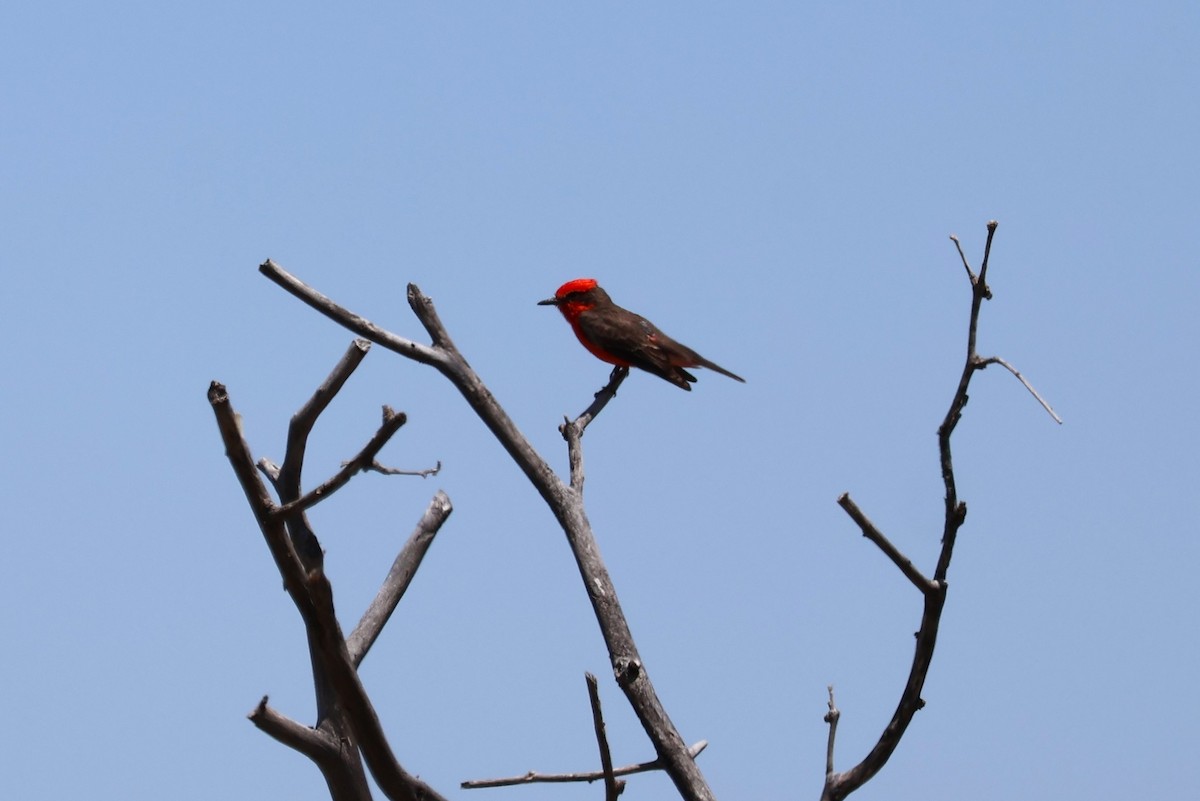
(987,254)
(344,778)
(997,360)
(306,417)
(572,430)
(564,501)
(338,764)
(347,319)
(963,256)
(839,785)
(392,422)
(308,741)
(831,717)
(395,782)
(376,467)
(535,778)
(313,596)
(238,453)
(876,536)
(286,478)
(612,787)
(603,396)
(956,512)
(398,578)
(270,470)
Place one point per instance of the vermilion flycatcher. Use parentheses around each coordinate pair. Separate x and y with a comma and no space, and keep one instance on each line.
(620,337)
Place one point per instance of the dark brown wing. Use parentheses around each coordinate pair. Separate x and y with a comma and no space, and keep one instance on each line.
(634,339)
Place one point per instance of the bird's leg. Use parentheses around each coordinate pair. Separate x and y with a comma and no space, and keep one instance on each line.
(613,382)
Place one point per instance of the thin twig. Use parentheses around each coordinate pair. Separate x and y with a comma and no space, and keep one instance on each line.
(376,467)
(997,360)
(572,430)
(963,256)
(612,788)
(876,536)
(392,421)
(987,254)
(831,717)
(603,396)
(534,778)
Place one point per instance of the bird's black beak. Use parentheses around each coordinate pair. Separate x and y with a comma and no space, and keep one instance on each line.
(548,302)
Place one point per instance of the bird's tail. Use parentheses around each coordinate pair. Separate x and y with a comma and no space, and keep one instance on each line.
(702,362)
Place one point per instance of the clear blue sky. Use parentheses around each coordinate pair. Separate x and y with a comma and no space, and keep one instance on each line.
(772,183)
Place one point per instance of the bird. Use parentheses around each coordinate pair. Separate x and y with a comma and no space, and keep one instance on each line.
(618,336)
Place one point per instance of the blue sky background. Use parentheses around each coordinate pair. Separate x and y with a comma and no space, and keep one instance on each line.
(772,183)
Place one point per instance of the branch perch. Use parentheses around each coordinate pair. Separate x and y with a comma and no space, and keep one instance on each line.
(565,502)
(572,430)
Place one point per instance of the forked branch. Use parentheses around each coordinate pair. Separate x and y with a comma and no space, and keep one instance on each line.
(347,725)
(565,502)
(839,785)
(363,461)
(572,430)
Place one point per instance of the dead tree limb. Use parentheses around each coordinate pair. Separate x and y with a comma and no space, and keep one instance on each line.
(612,786)
(365,459)
(839,785)
(398,578)
(533,777)
(565,502)
(572,430)
(347,725)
